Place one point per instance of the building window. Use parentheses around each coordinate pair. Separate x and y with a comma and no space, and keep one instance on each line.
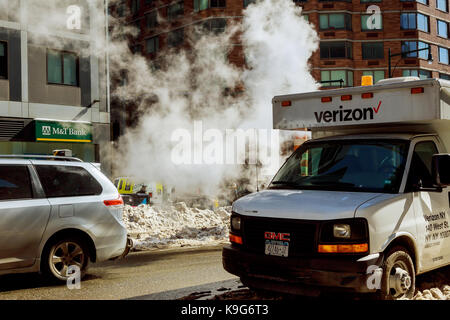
(205,4)
(336,75)
(152,45)
(372,50)
(121,10)
(3,60)
(332,50)
(175,38)
(248,2)
(135,6)
(371,24)
(408,21)
(442,5)
(411,21)
(306,17)
(216,25)
(415,45)
(444,76)
(201,5)
(443,55)
(339,21)
(420,1)
(136,49)
(137,25)
(423,22)
(151,20)
(175,10)
(377,75)
(442,28)
(422,74)
(217,3)
(62,68)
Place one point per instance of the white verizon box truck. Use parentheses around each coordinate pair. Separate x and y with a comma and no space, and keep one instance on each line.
(364,206)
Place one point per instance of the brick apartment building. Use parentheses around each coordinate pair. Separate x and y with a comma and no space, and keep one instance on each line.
(349,46)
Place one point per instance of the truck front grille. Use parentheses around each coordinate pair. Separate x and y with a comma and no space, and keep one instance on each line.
(302,234)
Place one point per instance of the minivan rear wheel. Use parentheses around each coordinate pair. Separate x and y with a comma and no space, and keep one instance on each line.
(63,257)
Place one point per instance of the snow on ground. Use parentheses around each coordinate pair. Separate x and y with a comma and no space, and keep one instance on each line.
(176,226)
(433,285)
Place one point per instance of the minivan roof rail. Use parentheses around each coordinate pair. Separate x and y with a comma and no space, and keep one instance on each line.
(39,157)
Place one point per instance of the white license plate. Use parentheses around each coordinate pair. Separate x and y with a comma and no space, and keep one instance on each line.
(277,248)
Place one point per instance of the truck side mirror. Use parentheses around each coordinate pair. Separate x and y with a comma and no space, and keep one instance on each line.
(441,169)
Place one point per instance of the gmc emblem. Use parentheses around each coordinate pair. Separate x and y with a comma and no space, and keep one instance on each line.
(277,236)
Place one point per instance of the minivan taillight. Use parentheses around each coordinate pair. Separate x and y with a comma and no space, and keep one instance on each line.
(115,202)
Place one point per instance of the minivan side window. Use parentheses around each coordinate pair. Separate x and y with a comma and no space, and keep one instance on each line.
(15,182)
(67,181)
(420,170)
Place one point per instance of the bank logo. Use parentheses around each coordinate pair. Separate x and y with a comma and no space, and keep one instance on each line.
(46,130)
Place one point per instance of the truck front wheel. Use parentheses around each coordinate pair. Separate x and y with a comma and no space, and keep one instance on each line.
(399,278)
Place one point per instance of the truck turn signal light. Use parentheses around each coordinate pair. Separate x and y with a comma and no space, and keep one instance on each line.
(235,239)
(343,248)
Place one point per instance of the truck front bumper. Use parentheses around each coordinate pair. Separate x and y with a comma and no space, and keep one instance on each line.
(308,276)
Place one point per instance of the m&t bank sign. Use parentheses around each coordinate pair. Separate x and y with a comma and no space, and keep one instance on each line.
(63,131)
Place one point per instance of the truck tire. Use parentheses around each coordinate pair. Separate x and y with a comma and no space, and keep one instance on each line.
(399,277)
(62,253)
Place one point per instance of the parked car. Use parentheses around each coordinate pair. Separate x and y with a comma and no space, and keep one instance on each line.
(57,212)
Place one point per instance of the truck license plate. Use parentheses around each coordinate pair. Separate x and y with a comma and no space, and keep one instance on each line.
(277,248)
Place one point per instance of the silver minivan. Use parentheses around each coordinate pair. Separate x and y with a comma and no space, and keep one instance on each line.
(57,212)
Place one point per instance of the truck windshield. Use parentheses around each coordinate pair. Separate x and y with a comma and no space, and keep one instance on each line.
(345,165)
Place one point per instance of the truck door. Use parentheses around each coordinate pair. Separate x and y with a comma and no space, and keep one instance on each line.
(432,208)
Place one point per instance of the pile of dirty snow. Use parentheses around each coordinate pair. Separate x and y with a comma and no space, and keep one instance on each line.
(176,226)
(433,285)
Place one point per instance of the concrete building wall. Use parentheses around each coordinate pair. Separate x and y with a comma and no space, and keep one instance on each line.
(26,94)
(4,89)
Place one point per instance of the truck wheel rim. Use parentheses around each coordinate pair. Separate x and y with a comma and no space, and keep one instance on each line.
(399,280)
(63,256)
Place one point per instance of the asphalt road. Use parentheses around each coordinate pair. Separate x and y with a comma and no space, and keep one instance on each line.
(167,274)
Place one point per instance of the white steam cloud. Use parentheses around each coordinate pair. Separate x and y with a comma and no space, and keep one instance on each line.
(277,43)
(187,87)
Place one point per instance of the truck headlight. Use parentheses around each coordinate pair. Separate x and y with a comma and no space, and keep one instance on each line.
(353,230)
(342,231)
(235,223)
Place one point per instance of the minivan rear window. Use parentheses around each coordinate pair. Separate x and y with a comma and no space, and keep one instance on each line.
(15,182)
(67,181)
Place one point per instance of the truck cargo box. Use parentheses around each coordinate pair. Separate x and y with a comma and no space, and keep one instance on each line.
(389,103)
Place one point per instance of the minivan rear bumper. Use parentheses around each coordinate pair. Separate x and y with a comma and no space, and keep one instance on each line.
(308,276)
(113,245)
